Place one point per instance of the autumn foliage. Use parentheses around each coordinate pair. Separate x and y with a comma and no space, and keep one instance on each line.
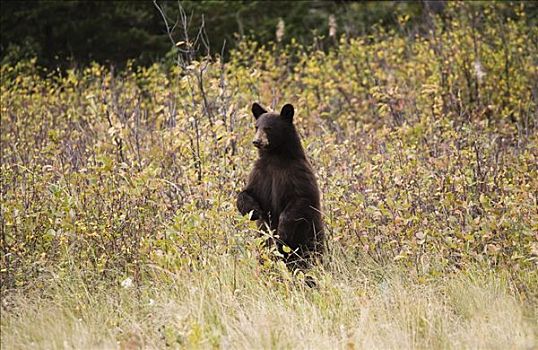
(425,148)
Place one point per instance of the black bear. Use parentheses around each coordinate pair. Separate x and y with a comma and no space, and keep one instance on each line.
(282,192)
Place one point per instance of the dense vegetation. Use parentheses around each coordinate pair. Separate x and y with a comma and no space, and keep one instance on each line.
(75,33)
(118,194)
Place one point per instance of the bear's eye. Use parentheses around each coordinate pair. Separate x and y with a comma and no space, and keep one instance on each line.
(256,127)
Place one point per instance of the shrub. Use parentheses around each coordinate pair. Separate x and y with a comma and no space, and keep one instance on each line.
(425,147)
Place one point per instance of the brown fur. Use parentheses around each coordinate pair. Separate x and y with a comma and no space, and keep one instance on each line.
(282,191)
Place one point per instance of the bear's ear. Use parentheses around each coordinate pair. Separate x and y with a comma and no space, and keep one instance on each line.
(257,110)
(287,112)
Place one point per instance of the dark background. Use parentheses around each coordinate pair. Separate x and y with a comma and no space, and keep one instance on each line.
(73,33)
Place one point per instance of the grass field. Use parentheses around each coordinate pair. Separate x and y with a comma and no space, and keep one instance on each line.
(231,304)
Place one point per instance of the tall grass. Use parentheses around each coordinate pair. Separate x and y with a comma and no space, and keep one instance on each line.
(230,303)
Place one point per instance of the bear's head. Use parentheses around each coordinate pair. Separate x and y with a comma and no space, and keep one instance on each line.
(274,131)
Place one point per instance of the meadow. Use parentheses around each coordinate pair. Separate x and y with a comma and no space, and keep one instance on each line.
(119,225)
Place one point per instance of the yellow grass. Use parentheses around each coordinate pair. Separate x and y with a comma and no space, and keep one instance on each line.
(233,303)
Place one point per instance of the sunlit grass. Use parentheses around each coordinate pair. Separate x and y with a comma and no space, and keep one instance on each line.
(364,306)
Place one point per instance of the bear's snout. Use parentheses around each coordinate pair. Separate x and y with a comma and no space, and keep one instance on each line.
(260,139)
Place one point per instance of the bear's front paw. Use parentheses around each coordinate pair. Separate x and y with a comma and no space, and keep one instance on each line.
(254,215)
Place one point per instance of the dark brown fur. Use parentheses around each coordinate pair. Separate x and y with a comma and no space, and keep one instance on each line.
(282,191)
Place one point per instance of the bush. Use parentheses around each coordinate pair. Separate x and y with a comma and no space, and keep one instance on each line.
(425,147)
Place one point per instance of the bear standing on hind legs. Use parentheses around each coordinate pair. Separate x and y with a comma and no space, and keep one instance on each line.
(282,191)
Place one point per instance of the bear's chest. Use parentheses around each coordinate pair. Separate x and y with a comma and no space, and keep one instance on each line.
(276,185)
(279,189)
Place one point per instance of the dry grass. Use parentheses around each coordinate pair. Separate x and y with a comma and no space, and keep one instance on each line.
(356,305)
